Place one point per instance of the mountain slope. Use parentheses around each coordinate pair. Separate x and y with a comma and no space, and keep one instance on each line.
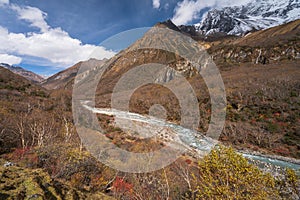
(61,78)
(271,45)
(65,78)
(287,35)
(282,34)
(18,96)
(22,72)
(16,85)
(261,111)
(256,15)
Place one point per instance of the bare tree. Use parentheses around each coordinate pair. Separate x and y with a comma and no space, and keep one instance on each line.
(68,129)
(184,172)
(167,185)
(42,128)
(21,128)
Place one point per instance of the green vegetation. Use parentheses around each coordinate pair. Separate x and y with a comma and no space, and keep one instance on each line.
(39,93)
(224,174)
(66,172)
(24,183)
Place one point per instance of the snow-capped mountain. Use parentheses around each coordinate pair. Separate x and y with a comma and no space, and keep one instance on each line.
(256,15)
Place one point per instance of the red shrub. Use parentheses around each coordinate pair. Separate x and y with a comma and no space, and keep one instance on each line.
(20,152)
(54,168)
(277,114)
(121,186)
(282,151)
(253,121)
(188,161)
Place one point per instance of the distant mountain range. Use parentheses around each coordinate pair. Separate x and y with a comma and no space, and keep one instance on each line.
(240,20)
(256,15)
(25,73)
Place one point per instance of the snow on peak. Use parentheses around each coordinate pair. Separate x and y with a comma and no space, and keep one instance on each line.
(256,15)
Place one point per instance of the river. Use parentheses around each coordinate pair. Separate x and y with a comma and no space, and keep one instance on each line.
(189,137)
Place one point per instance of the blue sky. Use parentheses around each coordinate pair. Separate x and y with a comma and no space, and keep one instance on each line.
(47,36)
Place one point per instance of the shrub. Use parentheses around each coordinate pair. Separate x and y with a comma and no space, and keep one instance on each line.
(272,127)
(121,186)
(225,174)
(20,152)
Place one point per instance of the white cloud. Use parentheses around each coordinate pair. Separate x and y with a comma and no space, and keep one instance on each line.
(10,59)
(4,2)
(156,4)
(53,44)
(166,6)
(188,10)
(33,15)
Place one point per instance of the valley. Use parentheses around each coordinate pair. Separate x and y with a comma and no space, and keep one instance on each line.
(256,155)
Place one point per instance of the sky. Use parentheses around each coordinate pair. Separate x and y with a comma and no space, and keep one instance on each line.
(47,36)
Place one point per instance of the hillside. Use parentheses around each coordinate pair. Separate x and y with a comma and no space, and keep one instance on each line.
(22,72)
(280,35)
(272,45)
(12,84)
(29,114)
(256,105)
(19,182)
(65,78)
(62,79)
(38,134)
(261,112)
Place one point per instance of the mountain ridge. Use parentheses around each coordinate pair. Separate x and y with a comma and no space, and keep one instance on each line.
(29,75)
(216,46)
(255,15)
(64,79)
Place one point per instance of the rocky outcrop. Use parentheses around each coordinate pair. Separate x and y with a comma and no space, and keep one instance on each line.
(233,54)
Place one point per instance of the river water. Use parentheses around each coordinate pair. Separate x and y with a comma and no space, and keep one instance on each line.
(189,137)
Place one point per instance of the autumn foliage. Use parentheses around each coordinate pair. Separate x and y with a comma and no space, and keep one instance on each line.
(225,174)
(121,186)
